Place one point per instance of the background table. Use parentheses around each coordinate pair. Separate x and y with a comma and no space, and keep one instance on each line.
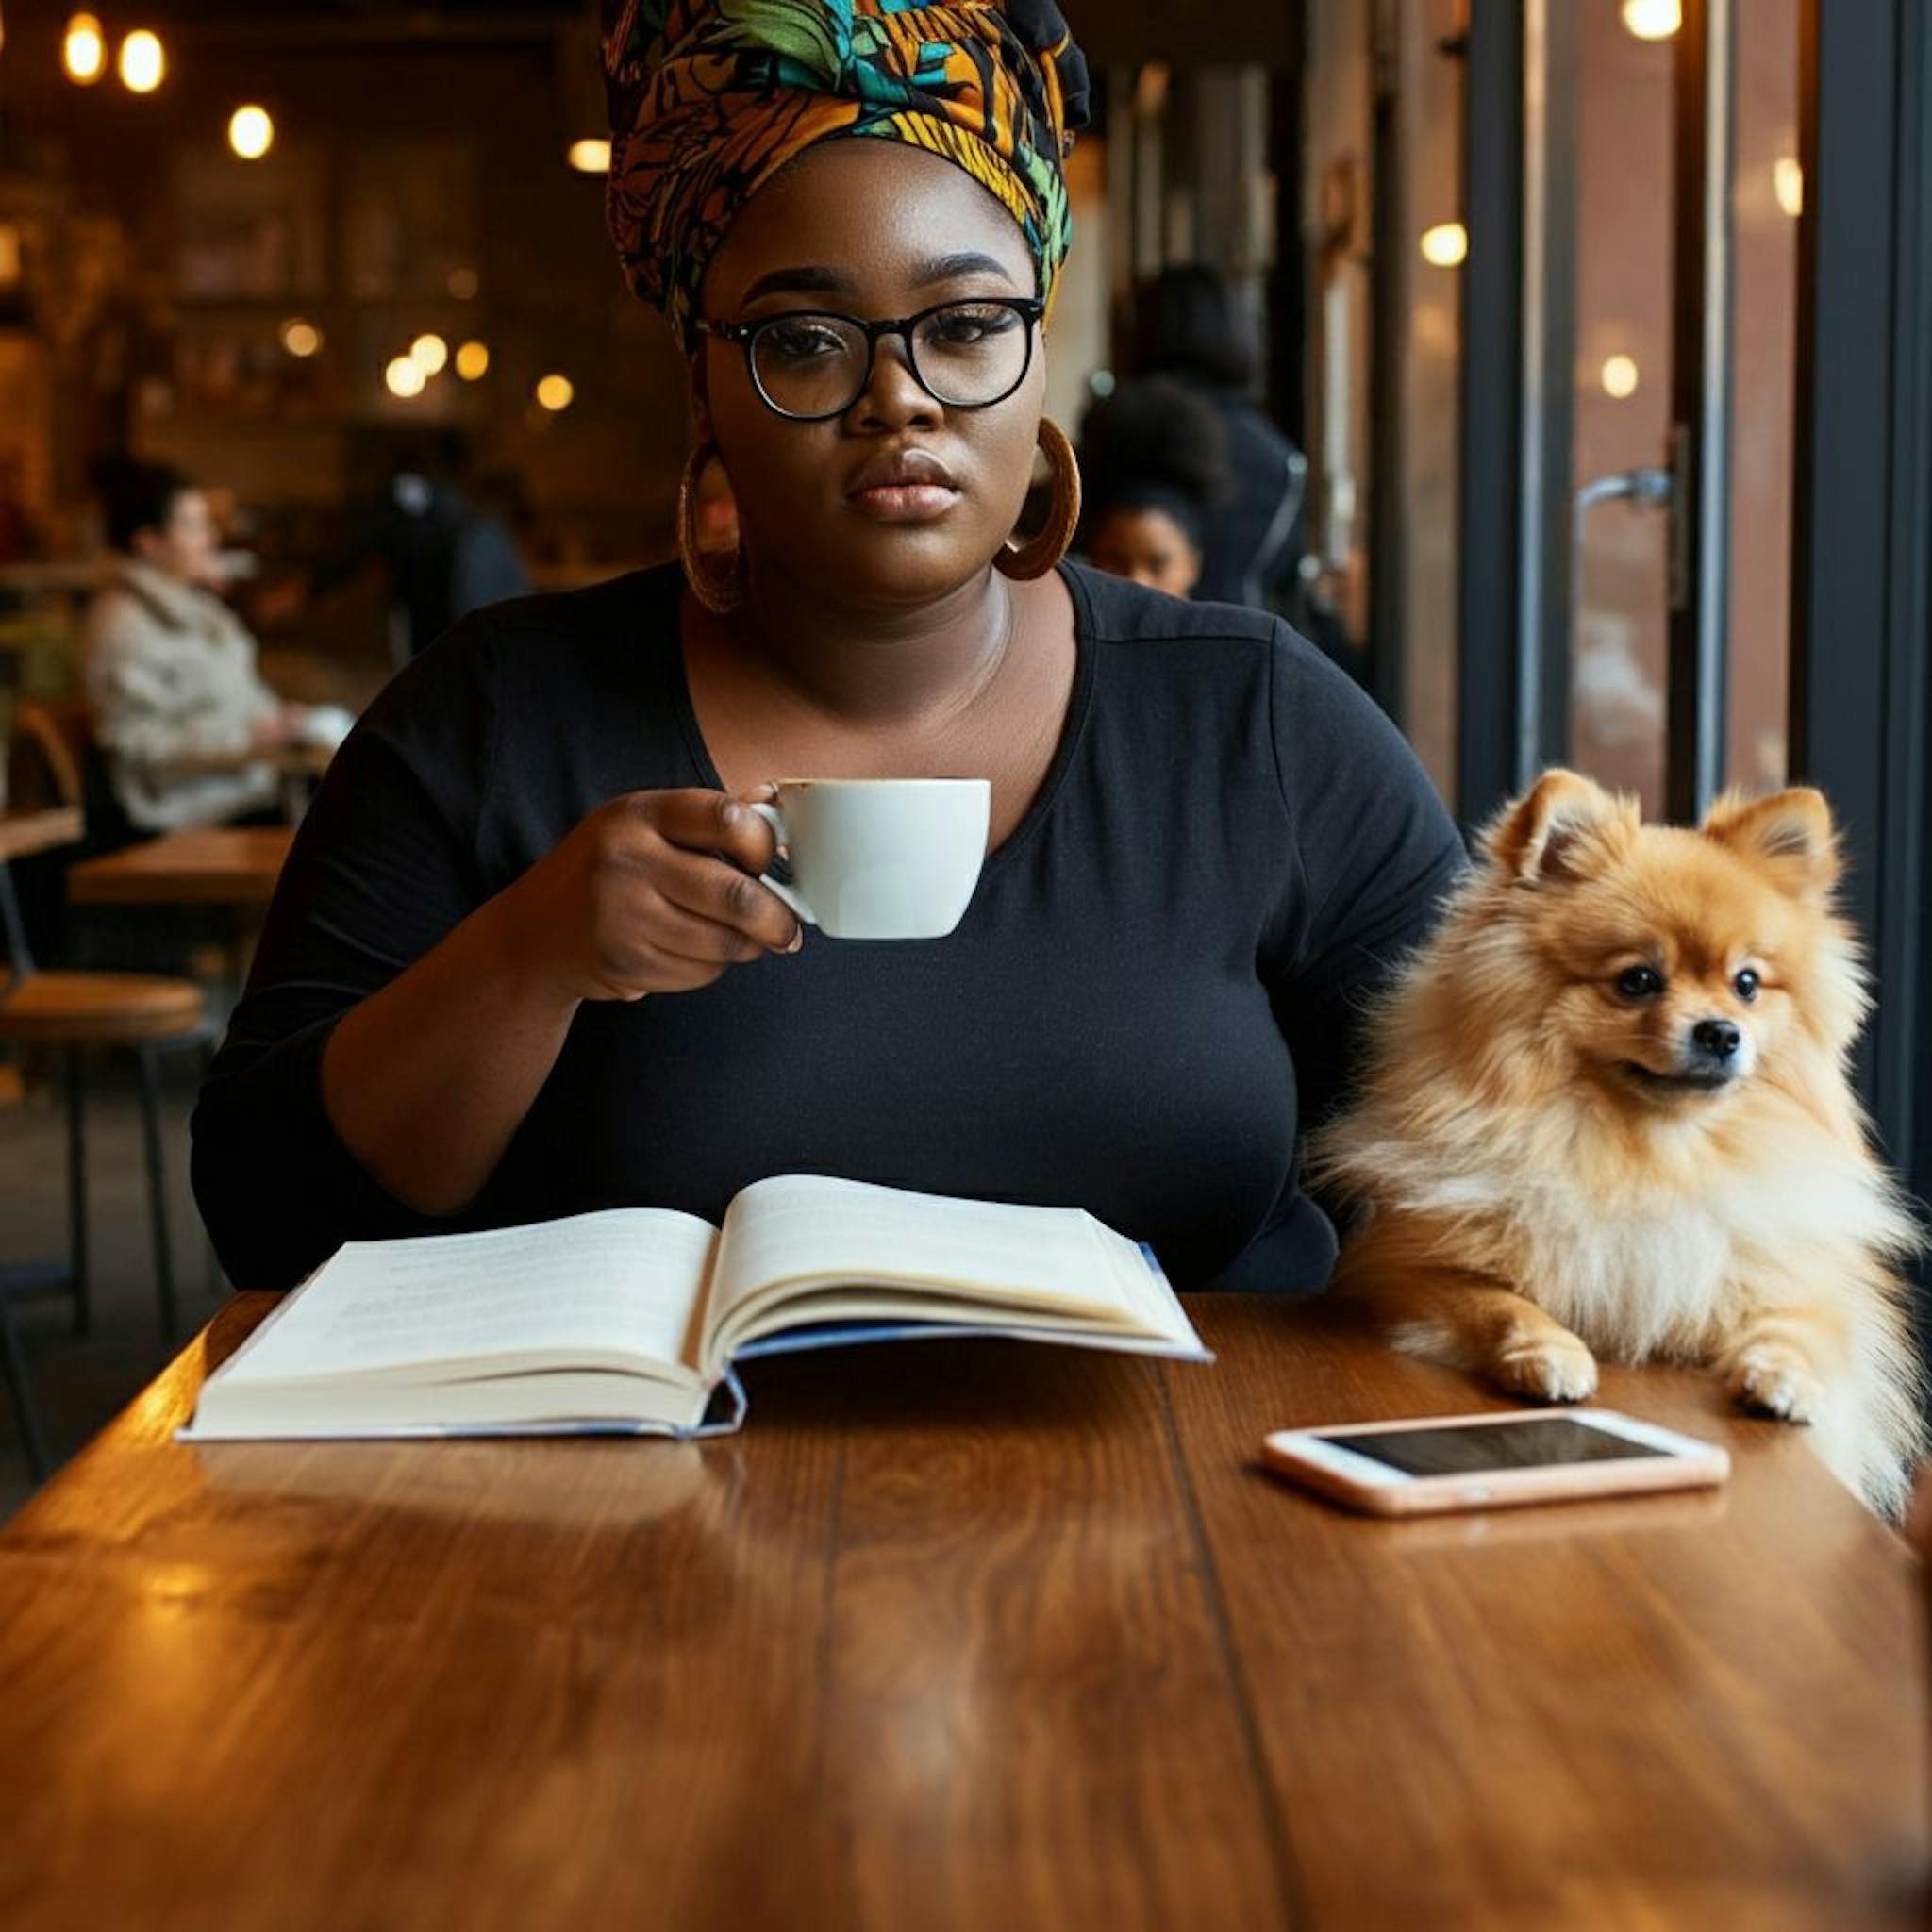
(954,1635)
(224,866)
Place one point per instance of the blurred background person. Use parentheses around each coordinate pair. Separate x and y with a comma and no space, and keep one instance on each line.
(178,705)
(1154,467)
(440,550)
(1189,325)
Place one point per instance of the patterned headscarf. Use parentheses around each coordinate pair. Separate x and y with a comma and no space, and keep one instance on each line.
(711,98)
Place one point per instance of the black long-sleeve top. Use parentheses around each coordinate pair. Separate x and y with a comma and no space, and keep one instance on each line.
(1155,982)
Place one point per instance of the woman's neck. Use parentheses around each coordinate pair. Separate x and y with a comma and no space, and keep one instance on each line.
(874,667)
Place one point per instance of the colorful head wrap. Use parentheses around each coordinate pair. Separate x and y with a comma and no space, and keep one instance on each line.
(711,98)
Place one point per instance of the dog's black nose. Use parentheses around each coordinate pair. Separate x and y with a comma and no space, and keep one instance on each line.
(1718,1037)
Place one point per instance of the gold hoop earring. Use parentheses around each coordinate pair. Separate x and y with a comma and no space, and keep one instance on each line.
(720,592)
(1040,554)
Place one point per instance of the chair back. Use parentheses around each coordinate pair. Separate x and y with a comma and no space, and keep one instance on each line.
(39,740)
(60,737)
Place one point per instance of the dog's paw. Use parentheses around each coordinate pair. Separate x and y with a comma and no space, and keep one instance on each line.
(1776,1380)
(1553,1368)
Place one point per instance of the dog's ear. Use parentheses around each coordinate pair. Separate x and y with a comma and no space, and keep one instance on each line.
(1788,836)
(1566,827)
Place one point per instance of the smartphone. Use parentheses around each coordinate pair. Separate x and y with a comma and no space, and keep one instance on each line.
(1491,1461)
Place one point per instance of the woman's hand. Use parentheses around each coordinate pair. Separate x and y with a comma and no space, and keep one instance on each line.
(275,730)
(657,891)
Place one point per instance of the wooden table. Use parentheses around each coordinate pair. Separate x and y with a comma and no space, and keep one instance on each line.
(23,833)
(221,867)
(954,1635)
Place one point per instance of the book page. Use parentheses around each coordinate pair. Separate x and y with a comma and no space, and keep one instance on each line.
(625,1280)
(803,1232)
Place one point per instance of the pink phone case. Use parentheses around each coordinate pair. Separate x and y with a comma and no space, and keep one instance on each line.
(1498,1489)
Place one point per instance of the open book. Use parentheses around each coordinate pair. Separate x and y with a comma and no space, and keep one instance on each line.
(631,1319)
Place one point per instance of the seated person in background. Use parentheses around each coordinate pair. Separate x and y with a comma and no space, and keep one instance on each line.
(1153,458)
(1189,325)
(177,702)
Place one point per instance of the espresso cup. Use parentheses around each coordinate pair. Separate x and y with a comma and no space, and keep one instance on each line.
(880,858)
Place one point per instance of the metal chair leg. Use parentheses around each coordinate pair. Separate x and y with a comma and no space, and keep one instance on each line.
(13,1360)
(156,1186)
(76,1186)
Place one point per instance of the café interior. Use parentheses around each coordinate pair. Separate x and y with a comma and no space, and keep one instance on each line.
(1597,340)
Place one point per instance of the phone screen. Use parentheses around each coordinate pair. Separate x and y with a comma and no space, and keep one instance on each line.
(1532,1443)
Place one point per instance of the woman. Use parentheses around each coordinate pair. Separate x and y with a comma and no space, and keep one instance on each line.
(1154,472)
(1191,328)
(178,704)
(520,963)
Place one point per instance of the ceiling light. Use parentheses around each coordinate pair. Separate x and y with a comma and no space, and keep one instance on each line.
(251,133)
(84,52)
(143,66)
(1653,20)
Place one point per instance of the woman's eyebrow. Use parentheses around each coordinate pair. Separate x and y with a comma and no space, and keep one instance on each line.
(947,268)
(817,279)
(807,279)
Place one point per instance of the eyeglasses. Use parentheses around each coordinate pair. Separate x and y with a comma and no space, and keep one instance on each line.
(810,364)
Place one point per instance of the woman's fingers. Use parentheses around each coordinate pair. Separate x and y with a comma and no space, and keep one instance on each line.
(709,821)
(711,890)
(703,851)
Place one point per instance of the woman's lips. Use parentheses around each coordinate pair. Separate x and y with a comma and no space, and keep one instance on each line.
(908,485)
(903,503)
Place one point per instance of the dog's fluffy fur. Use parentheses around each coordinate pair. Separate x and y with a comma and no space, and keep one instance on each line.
(1555,1162)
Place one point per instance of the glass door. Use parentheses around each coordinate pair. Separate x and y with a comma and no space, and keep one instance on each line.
(1641,436)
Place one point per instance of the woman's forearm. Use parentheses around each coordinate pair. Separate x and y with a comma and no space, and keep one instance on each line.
(426,1080)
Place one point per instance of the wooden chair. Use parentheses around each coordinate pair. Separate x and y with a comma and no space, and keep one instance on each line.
(78,1011)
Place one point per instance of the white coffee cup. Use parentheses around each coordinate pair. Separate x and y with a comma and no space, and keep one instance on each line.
(881,859)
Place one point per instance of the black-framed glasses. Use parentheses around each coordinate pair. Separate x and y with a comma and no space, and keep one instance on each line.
(810,364)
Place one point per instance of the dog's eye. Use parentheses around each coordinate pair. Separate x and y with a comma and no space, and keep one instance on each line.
(1640,982)
(1746,984)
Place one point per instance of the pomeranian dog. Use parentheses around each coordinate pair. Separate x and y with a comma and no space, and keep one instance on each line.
(1608,1112)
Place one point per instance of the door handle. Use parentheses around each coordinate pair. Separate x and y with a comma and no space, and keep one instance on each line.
(1655,486)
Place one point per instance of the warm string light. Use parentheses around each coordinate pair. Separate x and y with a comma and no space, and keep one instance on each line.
(473,361)
(301,339)
(84,50)
(429,352)
(143,65)
(591,155)
(1619,376)
(555,393)
(404,378)
(1653,20)
(251,133)
(1445,245)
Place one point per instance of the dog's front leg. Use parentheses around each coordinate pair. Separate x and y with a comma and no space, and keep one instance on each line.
(1463,1319)
(1781,1359)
